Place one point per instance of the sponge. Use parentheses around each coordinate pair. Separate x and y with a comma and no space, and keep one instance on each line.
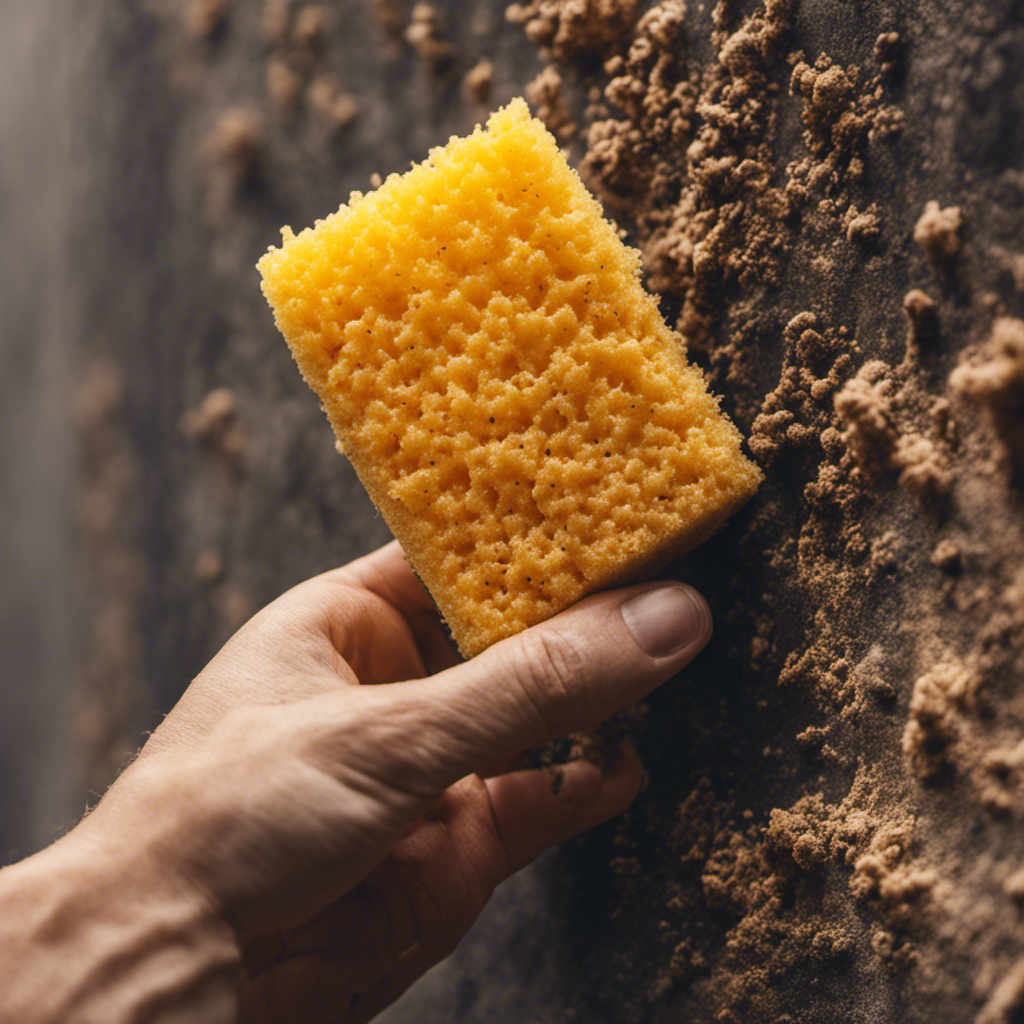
(506,390)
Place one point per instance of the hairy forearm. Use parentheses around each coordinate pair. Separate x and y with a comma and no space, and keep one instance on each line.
(86,938)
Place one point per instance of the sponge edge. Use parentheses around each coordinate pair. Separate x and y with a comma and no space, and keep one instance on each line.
(505,388)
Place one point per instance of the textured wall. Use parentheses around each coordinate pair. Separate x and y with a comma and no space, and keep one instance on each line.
(832,832)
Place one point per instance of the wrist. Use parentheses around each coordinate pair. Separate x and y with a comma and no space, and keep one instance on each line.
(86,937)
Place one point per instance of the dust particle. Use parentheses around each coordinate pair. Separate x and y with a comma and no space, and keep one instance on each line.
(390,15)
(937,231)
(478,81)
(946,556)
(423,35)
(310,26)
(545,93)
(232,149)
(205,18)
(334,107)
(995,380)
(888,50)
(284,86)
(209,567)
(274,21)
(939,700)
(214,424)
(921,311)
(571,28)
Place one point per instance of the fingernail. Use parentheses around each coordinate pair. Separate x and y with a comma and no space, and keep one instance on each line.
(664,620)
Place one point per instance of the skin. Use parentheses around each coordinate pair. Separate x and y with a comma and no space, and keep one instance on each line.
(298,843)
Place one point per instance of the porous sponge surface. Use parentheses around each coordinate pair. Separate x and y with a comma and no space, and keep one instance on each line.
(506,390)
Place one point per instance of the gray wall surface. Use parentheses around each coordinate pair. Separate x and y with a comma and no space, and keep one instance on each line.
(832,831)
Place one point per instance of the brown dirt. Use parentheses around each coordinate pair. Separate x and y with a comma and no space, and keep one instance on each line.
(893,525)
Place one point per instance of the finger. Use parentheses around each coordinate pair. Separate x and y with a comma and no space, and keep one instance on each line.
(517,762)
(311,973)
(411,966)
(535,810)
(314,989)
(369,926)
(564,675)
(499,828)
(424,896)
(415,907)
(386,572)
(373,640)
(455,860)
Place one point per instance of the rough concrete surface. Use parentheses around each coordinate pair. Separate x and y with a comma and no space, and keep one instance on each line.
(832,831)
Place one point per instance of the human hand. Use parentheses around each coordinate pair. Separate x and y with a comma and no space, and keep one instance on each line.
(327,840)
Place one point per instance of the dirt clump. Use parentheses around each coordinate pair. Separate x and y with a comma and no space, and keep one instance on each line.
(204,19)
(569,28)
(231,152)
(938,231)
(478,81)
(549,103)
(994,379)
(866,527)
(888,50)
(423,34)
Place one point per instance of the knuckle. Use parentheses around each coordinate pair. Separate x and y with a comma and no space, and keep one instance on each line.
(553,672)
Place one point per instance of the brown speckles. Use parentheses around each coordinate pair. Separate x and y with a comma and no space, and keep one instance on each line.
(211,417)
(797,412)
(922,464)
(887,877)
(299,73)
(880,435)
(391,16)
(235,141)
(999,779)
(1006,1002)
(232,605)
(209,567)
(863,404)
(875,517)
(829,93)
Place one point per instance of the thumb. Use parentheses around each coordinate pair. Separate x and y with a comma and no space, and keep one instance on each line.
(569,673)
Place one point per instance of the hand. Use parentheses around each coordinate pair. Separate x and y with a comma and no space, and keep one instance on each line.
(325,841)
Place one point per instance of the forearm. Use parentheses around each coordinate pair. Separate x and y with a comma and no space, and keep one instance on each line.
(89,939)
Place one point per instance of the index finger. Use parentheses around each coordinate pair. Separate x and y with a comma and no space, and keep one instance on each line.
(386,572)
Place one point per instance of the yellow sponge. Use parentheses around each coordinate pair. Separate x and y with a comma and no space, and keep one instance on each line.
(506,390)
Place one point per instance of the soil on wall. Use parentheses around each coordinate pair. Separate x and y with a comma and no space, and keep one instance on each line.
(828,196)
